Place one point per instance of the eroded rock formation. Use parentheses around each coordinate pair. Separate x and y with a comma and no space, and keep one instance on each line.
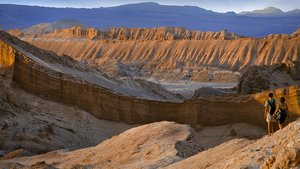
(182,52)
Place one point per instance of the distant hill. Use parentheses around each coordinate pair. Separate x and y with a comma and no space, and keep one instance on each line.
(150,15)
(270,11)
(295,11)
(266,11)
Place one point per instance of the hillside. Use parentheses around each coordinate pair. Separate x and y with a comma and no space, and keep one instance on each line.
(150,15)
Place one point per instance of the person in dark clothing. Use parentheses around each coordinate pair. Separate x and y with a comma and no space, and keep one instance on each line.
(281,112)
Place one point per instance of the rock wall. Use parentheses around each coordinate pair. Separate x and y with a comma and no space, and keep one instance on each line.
(105,104)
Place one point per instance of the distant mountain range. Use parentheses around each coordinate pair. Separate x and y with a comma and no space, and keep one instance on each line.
(256,23)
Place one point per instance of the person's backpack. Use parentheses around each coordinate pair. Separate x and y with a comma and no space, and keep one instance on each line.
(272,106)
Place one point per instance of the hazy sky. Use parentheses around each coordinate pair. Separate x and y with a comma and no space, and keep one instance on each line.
(215,5)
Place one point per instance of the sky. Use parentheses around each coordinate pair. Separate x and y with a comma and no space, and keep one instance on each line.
(215,5)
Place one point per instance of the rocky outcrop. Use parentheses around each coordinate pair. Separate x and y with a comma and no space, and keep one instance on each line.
(16,32)
(78,31)
(295,36)
(281,150)
(254,80)
(207,91)
(260,78)
(48,83)
(294,68)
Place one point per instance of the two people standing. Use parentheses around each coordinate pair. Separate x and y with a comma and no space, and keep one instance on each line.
(275,111)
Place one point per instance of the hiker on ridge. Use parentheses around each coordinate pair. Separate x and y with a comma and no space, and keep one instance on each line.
(281,112)
(270,109)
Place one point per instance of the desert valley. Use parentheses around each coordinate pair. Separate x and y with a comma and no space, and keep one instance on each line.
(80,95)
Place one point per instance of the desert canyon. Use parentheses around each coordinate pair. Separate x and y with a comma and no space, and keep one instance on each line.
(74,96)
